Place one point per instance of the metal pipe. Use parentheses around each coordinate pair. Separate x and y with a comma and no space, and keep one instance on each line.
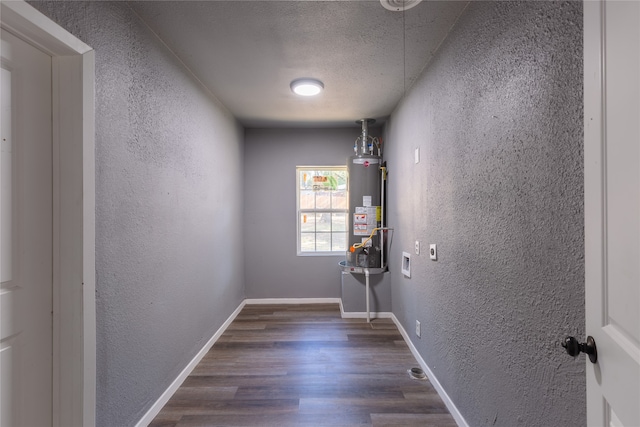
(365,135)
(366,278)
(383,174)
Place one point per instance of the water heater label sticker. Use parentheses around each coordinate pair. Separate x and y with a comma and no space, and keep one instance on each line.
(360,230)
(366,201)
(360,209)
(360,224)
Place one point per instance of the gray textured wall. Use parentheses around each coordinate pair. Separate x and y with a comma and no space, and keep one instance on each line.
(168,209)
(498,118)
(354,295)
(272,268)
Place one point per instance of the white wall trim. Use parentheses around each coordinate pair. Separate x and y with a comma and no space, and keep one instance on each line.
(74,332)
(432,378)
(89,324)
(21,18)
(173,387)
(363,314)
(164,398)
(293,301)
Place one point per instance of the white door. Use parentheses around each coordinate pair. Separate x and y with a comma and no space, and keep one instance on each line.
(612,209)
(26,235)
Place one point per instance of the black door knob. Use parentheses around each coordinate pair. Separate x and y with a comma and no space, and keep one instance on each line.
(574,348)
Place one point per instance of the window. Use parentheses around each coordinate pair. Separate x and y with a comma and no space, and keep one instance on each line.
(323,205)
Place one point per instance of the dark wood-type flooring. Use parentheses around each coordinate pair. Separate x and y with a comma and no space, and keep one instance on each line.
(303,365)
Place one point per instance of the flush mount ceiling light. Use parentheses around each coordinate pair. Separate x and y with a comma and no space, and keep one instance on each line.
(307,87)
(399,5)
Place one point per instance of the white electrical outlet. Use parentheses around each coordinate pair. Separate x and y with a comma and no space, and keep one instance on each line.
(417,247)
(417,155)
(418,328)
(433,254)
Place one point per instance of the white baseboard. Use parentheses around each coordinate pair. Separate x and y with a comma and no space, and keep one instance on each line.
(164,398)
(432,378)
(293,301)
(363,314)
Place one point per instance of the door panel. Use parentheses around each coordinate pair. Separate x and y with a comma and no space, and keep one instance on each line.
(612,209)
(622,180)
(26,228)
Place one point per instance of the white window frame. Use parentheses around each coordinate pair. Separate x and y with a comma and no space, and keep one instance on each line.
(299,212)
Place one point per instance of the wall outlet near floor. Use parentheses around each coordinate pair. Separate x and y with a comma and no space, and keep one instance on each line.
(417,247)
(418,328)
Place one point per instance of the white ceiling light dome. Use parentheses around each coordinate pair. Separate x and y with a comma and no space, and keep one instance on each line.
(307,87)
(399,5)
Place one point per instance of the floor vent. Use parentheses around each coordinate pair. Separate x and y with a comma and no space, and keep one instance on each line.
(399,5)
(417,374)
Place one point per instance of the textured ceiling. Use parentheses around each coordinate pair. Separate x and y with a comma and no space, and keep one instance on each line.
(247,53)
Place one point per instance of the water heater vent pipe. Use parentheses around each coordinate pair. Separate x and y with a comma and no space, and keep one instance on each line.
(365,135)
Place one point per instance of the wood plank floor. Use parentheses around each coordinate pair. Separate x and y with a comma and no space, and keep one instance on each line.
(303,365)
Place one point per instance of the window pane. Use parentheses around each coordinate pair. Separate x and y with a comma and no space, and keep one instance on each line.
(341,179)
(307,199)
(339,222)
(307,222)
(307,242)
(306,180)
(323,200)
(339,242)
(339,199)
(323,222)
(319,180)
(323,242)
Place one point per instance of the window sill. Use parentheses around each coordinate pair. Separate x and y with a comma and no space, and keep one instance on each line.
(323,254)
